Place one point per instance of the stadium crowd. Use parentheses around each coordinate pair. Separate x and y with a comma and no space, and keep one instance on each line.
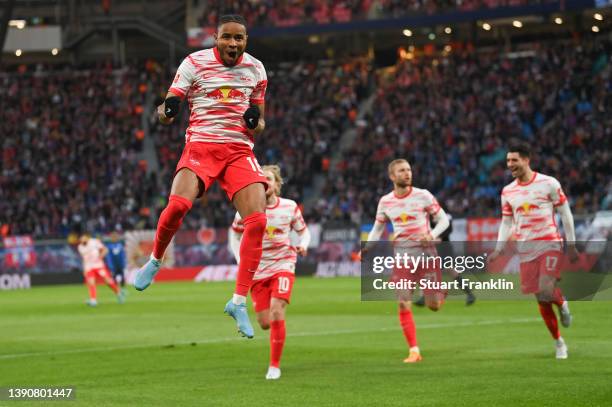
(453,116)
(282,13)
(70,144)
(72,154)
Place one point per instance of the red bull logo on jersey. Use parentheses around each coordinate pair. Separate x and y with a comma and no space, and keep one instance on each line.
(272,231)
(526,208)
(404,218)
(226,94)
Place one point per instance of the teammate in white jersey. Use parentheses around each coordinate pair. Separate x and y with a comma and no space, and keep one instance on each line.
(528,214)
(273,281)
(92,252)
(225,88)
(410,209)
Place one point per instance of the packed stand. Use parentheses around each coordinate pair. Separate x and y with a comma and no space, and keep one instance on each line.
(452,117)
(70,142)
(284,13)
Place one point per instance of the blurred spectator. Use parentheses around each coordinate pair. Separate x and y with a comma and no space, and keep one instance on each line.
(69,151)
(452,117)
(282,13)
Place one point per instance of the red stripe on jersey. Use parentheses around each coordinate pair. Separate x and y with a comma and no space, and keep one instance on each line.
(191,132)
(562,200)
(549,237)
(199,122)
(437,208)
(238,129)
(277,247)
(225,109)
(177,92)
(278,259)
(194,62)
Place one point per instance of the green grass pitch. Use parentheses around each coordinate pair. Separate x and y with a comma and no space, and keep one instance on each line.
(172,346)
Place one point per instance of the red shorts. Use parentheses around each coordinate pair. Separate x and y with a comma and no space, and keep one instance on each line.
(277,286)
(101,272)
(422,273)
(548,264)
(232,164)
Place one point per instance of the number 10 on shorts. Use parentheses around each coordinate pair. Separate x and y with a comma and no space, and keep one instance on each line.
(283,285)
(255,165)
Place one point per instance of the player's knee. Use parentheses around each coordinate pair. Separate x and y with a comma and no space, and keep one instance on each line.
(277,314)
(434,306)
(544,295)
(263,322)
(405,305)
(177,208)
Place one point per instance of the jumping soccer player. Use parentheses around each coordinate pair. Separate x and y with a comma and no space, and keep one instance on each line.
(409,210)
(225,88)
(273,281)
(528,205)
(93,251)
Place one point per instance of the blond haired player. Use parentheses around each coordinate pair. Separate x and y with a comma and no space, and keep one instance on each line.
(273,280)
(409,210)
(92,252)
(528,217)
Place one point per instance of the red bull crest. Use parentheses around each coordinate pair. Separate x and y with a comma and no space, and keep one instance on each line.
(226,94)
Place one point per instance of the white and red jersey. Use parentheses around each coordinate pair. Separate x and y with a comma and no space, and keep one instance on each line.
(219,95)
(532,207)
(278,253)
(409,214)
(91,254)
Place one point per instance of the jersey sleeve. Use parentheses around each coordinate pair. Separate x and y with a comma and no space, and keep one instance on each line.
(431,204)
(184,77)
(506,209)
(297,222)
(556,194)
(259,93)
(237,224)
(98,244)
(381,216)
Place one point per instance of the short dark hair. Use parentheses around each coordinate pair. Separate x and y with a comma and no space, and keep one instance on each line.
(232,18)
(522,149)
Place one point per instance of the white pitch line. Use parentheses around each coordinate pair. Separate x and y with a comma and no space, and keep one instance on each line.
(236,338)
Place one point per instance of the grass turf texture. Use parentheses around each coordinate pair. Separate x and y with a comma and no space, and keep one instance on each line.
(172,346)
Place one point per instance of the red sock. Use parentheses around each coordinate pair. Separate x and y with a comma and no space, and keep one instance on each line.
(277,341)
(250,250)
(92,291)
(557,298)
(550,318)
(408,326)
(169,222)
